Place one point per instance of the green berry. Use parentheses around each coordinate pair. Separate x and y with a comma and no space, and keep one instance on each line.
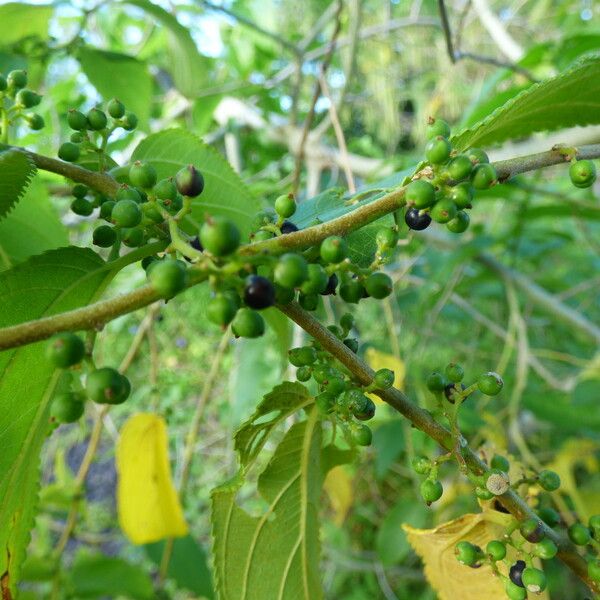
(308,301)
(438,150)
(454,372)
(496,550)
(106,209)
(386,238)
(437,127)
(82,207)
(115,108)
(579,534)
(549,480)
(132,237)
(594,569)
(65,350)
(130,121)
(126,192)
(477,156)
(169,277)
(384,379)
(317,280)
(467,554)
(189,181)
(352,291)
(460,223)
(284,295)
(27,98)
(436,382)
(104,236)
(96,119)
(347,322)
(582,173)
(367,411)
(107,386)
(291,270)
(77,120)
(500,462)
(3,83)
(534,580)
(262,235)
(484,176)
(362,435)
(126,213)
(302,356)
(219,236)
(421,465)
(34,121)
(285,205)
(420,193)
(67,407)
(77,137)
(142,175)
(335,386)
(333,249)
(431,490)
(545,549)
(325,403)
(221,310)
(151,212)
(594,525)
(68,152)
(323,373)
(351,344)
(79,190)
(483,493)
(532,530)
(248,323)
(379,285)
(443,211)
(490,383)
(549,516)
(460,167)
(303,373)
(17,79)
(462,195)
(515,592)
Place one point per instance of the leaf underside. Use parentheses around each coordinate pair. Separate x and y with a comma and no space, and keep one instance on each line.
(16,171)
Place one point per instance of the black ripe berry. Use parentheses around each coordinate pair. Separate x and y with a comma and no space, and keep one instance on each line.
(195,243)
(189,181)
(332,283)
(288,227)
(416,221)
(259,292)
(516,573)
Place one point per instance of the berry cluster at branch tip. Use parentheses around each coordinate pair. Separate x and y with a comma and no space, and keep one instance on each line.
(17,100)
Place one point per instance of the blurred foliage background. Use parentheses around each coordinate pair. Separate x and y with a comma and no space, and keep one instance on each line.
(518,294)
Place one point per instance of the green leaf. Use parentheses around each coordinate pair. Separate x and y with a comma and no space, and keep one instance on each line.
(44,285)
(187,66)
(32,227)
(98,576)
(18,20)
(188,566)
(120,76)
(388,443)
(224,192)
(275,555)
(16,170)
(567,100)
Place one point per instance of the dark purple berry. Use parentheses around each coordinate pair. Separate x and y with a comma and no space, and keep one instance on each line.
(189,181)
(288,227)
(332,284)
(416,221)
(259,292)
(516,573)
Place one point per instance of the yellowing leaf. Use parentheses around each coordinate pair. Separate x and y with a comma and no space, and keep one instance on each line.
(147,502)
(380,360)
(338,487)
(446,575)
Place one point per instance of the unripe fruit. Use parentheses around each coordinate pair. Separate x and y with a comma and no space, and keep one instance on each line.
(107,386)
(454,372)
(417,221)
(351,291)
(421,465)
(142,175)
(259,292)
(77,137)
(332,283)
(436,382)
(460,167)
(221,310)
(534,580)
(79,190)
(106,210)
(483,176)
(104,236)
(347,322)
(467,554)
(68,152)
(248,323)
(128,193)
(500,462)
(437,127)
(285,205)
(165,189)
(284,295)
(219,236)
(115,108)
(325,403)
(386,238)
(27,98)
(317,280)
(303,373)
(67,407)
(594,569)
(443,211)
(65,350)
(582,173)
(34,121)
(549,516)
(80,206)
(594,525)
(420,193)
(515,572)
(477,156)
(169,277)
(335,386)
(96,119)
(515,592)
(579,534)
(77,120)
(438,150)
(549,480)
(262,235)
(431,490)
(366,412)
(333,249)
(532,530)
(308,301)
(460,223)
(189,181)
(496,550)
(545,549)
(490,383)
(291,270)
(384,379)
(379,285)
(130,121)
(483,493)
(362,435)
(17,79)
(351,344)
(462,195)
(126,213)
(303,356)
(132,237)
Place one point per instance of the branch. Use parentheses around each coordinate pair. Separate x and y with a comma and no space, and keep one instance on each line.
(423,421)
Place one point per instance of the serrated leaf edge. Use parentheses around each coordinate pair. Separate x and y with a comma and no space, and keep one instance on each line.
(30,175)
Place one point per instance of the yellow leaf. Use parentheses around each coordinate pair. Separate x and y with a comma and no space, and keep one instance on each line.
(338,487)
(446,575)
(147,502)
(380,360)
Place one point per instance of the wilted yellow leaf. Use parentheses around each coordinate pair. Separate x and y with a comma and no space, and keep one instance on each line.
(338,487)
(446,575)
(380,360)
(147,502)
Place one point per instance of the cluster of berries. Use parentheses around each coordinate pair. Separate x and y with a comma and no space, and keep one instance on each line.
(16,100)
